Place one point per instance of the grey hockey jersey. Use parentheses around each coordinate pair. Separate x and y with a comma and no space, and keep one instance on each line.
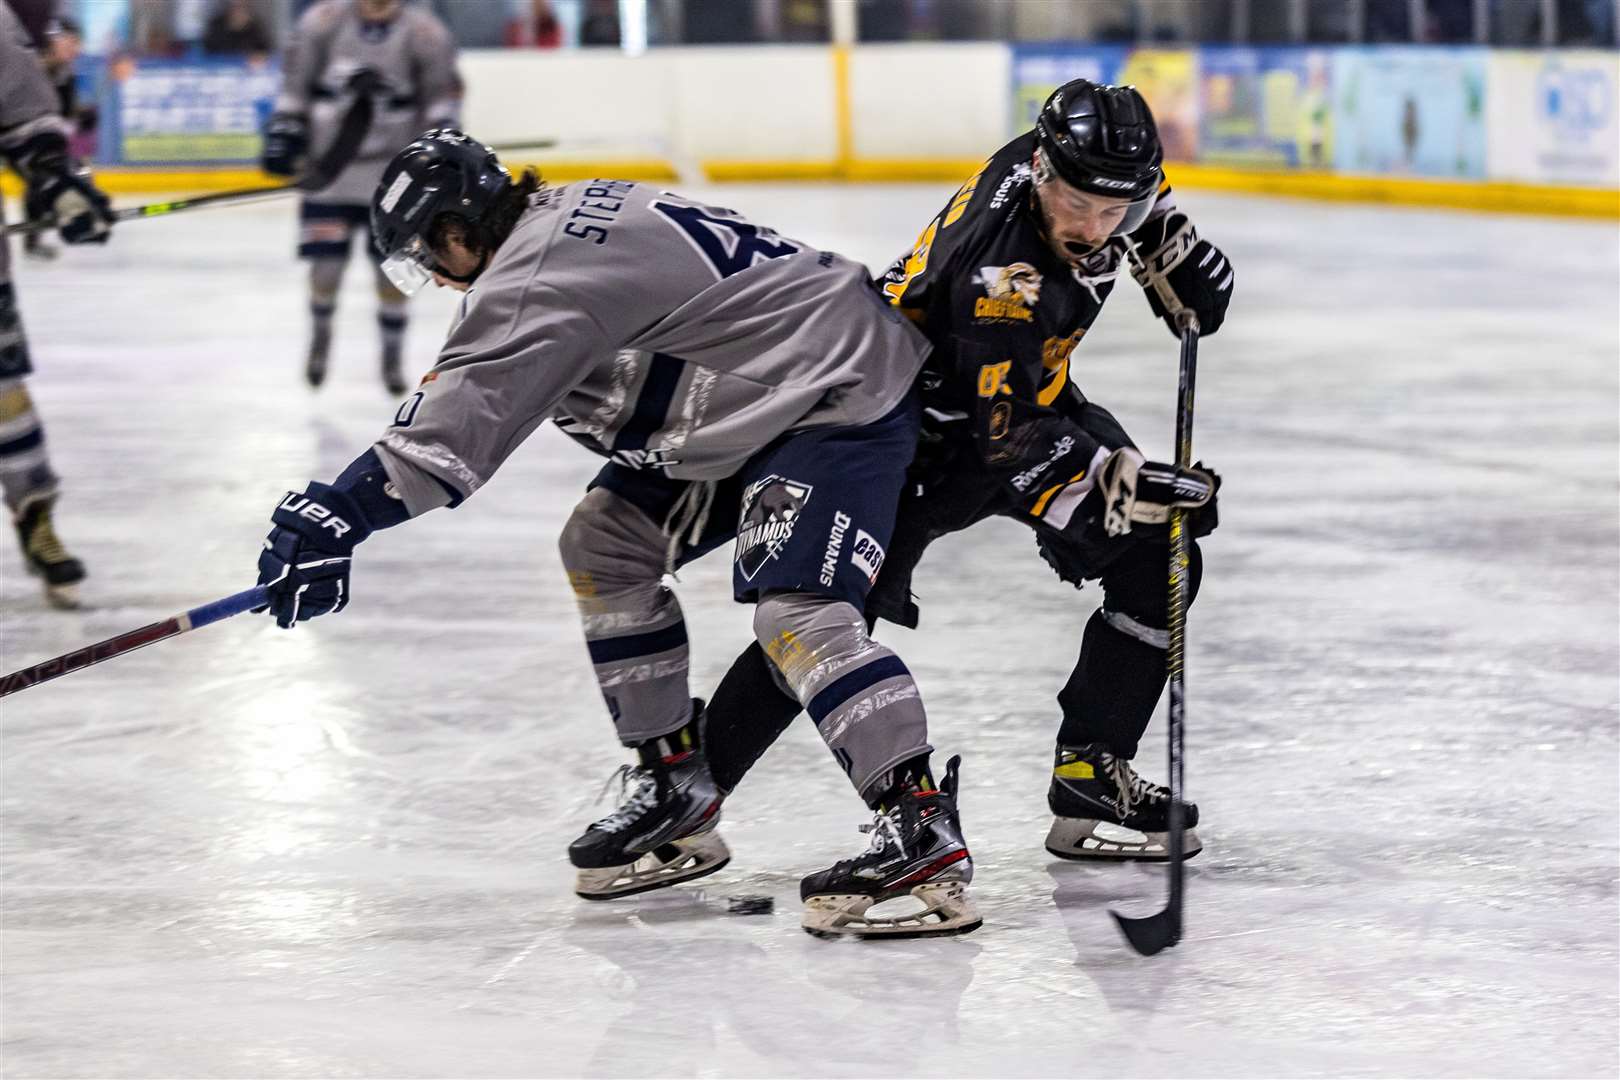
(661,332)
(415,58)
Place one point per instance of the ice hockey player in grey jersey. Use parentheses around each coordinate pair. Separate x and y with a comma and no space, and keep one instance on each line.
(402,58)
(33,140)
(743,386)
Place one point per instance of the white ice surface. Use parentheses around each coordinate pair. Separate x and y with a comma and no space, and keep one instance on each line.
(340,851)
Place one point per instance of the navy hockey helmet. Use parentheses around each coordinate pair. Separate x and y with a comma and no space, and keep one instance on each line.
(1102,140)
(441,172)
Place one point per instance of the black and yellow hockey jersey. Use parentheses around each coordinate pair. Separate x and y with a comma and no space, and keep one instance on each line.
(1004,314)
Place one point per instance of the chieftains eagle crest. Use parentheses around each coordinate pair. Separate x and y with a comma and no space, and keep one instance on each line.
(1009,291)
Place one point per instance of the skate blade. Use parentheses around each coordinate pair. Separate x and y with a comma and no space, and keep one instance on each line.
(1086,839)
(695,857)
(63,597)
(947,910)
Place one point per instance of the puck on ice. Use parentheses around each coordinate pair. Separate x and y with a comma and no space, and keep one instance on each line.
(750,905)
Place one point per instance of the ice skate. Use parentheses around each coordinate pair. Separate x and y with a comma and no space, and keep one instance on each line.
(1104,810)
(393,375)
(35,247)
(917,851)
(320,347)
(662,834)
(46,557)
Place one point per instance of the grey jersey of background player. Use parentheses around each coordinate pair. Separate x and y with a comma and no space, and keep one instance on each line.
(414,61)
(567,319)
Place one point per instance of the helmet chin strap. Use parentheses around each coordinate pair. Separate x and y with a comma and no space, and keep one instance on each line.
(465,279)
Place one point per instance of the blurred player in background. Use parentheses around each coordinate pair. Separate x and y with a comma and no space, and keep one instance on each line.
(404,59)
(60,45)
(742,385)
(1006,281)
(33,140)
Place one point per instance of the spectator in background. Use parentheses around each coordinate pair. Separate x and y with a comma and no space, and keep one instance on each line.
(1388,21)
(543,31)
(601,23)
(235,30)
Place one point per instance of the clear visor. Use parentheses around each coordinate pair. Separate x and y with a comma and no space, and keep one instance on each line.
(411,267)
(1081,221)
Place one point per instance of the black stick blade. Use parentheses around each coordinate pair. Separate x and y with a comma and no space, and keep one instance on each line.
(1153,934)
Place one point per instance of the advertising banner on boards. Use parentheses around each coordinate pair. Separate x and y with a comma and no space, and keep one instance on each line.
(1266,108)
(1406,111)
(207,112)
(1554,117)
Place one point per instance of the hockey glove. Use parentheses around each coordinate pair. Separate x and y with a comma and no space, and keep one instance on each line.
(1185,273)
(306,557)
(1140,492)
(60,190)
(286,141)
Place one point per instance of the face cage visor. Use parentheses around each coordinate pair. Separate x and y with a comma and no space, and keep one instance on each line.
(410,267)
(1068,212)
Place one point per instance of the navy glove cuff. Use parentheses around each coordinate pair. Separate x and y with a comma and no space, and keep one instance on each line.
(325,517)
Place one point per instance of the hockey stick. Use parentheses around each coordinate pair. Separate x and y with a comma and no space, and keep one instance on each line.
(345,145)
(185,622)
(1157,932)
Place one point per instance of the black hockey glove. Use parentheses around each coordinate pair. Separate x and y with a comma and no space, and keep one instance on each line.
(1185,273)
(306,557)
(61,191)
(286,141)
(1140,492)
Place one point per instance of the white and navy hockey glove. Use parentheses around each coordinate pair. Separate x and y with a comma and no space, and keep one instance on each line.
(306,557)
(1136,491)
(60,189)
(1185,273)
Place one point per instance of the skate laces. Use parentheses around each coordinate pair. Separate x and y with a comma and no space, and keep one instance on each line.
(643,798)
(885,830)
(1132,788)
(44,544)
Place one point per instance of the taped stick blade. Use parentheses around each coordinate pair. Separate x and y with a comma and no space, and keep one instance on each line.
(1150,935)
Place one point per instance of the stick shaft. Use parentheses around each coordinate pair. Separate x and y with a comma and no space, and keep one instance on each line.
(185,622)
(1176,659)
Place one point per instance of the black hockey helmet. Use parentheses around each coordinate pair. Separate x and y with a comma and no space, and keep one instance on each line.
(1102,140)
(441,172)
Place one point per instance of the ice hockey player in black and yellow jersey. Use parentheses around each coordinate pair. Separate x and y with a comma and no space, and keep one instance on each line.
(1006,281)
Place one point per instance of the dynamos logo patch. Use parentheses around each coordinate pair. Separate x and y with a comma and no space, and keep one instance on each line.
(770,509)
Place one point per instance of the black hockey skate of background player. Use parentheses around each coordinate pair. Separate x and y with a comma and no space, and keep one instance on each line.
(1006,281)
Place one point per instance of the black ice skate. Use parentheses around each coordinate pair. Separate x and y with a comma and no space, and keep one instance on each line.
(46,557)
(917,850)
(393,374)
(1104,810)
(663,833)
(320,347)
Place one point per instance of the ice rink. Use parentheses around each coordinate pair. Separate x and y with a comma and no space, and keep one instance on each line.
(339,851)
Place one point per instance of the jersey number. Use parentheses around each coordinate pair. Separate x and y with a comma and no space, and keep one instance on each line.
(731,246)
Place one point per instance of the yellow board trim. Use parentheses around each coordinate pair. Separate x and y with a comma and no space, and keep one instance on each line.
(1485,196)
(843,108)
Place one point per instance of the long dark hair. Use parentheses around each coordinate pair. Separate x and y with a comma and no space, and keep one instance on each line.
(491,230)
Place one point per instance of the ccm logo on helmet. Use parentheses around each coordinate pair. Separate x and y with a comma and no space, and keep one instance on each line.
(314,511)
(1107,182)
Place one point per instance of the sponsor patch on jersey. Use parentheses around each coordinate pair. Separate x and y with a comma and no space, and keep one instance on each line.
(1016,175)
(867,554)
(1000,419)
(1009,292)
(770,509)
(835,544)
(395,191)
